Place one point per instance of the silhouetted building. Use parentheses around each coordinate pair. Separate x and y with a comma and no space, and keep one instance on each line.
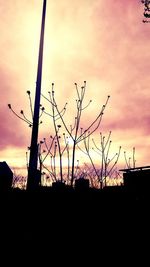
(82,184)
(137,179)
(6,177)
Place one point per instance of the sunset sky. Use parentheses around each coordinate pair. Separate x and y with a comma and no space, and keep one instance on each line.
(102,42)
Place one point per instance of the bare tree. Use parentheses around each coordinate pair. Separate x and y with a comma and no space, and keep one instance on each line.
(107,164)
(131,161)
(75,131)
(59,144)
(23,117)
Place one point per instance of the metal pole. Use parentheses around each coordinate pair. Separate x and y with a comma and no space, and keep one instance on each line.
(33,160)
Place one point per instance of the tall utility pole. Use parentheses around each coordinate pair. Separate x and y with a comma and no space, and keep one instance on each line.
(33,174)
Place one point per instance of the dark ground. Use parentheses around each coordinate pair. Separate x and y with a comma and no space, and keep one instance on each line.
(81,226)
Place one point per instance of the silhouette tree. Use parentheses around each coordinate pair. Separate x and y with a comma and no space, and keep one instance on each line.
(59,143)
(130,162)
(22,116)
(75,131)
(107,163)
(55,116)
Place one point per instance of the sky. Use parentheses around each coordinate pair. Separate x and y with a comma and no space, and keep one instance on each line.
(103,42)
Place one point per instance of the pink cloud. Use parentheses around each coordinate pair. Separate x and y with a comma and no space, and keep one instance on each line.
(103,42)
